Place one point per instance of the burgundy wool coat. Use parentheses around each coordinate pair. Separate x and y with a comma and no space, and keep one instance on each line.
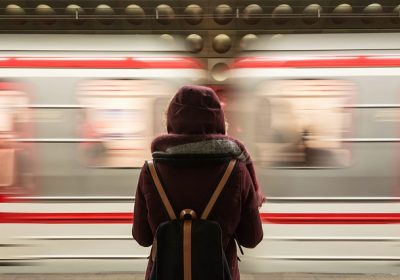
(204,150)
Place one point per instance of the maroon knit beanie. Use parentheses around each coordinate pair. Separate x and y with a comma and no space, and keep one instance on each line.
(195,110)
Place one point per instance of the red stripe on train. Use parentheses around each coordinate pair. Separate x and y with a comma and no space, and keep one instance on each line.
(276,218)
(331,218)
(317,61)
(67,218)
(100,62)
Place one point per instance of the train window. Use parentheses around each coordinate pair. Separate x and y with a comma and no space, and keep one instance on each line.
(118,120)
(7,170)
(15,157)
(300,123)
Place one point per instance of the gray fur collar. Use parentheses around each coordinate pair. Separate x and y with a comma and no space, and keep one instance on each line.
(208,147)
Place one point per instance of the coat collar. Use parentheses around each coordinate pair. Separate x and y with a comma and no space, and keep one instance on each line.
(210,144)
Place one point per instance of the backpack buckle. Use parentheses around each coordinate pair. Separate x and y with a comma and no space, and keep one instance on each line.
(185,213)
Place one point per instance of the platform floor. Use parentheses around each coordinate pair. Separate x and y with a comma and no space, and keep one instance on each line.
(269,276)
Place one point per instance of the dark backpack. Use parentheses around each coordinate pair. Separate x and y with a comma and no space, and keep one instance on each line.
(187,248)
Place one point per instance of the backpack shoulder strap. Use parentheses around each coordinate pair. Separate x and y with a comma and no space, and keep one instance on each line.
(160,189)
(218,189)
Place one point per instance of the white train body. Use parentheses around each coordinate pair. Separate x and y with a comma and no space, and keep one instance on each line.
(320,114)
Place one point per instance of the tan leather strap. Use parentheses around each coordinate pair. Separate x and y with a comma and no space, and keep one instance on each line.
(187,250)
(161,191)
(154,250)
(218,189)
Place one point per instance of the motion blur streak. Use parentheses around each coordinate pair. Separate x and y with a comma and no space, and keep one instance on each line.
(277,218)
(318,61)
(99,62)
(320,114)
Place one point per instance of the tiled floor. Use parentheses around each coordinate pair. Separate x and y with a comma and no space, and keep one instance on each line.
(270,276)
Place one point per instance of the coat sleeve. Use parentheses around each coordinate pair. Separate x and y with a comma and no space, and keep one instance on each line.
(141,230)
(249,231)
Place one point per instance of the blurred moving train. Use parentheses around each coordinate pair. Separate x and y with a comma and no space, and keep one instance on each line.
(320,114)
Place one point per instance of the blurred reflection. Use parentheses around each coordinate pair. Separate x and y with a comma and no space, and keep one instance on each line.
(301,122)
(118,120)
(15,157)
